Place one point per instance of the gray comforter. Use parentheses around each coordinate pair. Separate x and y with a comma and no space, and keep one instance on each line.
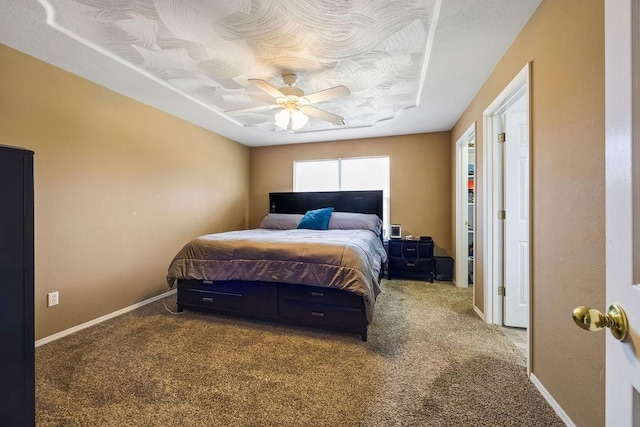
(344,259)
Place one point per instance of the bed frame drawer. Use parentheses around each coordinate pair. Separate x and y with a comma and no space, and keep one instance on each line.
(210,299)
(320,314)
(281,302)
(319,295)
(227,286)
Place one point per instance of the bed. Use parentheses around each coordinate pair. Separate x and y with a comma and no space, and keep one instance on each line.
(326,278)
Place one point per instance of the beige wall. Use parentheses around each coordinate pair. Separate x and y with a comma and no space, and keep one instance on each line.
(564,40)
(119,188)
(420,178)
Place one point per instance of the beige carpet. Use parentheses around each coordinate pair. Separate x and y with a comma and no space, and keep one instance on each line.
(429,361)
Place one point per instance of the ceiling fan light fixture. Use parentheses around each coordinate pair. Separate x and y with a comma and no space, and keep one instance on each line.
(291,119)
(295,104)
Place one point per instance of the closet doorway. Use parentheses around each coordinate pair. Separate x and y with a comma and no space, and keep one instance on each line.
(465,208)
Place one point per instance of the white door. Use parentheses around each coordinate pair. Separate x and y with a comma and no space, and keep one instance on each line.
(516,223)
(513,98)
(622,63)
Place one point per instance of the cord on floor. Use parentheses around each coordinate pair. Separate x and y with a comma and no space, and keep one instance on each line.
(168,309)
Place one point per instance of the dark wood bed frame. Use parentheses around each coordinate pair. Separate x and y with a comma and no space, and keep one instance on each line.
(296,304)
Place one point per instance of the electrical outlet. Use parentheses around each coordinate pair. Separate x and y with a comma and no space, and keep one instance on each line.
(52,299)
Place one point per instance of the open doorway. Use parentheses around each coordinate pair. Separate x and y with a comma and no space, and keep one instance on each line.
(506,208)
(465,208)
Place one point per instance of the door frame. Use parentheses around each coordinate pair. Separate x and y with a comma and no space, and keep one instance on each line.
(462,253)
(492,201)
(622,203)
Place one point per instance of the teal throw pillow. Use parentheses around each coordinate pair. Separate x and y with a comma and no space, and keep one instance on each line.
(317,219)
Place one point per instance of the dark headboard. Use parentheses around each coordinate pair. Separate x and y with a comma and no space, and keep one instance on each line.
(369,202)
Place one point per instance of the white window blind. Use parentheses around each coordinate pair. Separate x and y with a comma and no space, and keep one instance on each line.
(361,173)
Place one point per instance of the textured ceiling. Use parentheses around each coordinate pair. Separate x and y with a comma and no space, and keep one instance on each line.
(208,50)
(411,65)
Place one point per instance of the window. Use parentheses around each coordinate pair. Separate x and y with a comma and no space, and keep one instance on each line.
(362,173)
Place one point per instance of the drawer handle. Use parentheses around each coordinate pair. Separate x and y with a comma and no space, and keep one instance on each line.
(415,249)
(207,282)
(317,294)
(205,299)
(317,314)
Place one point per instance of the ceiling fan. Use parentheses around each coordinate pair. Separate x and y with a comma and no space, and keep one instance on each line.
(296,108)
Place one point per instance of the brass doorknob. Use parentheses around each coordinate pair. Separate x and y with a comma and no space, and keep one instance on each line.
(594,320)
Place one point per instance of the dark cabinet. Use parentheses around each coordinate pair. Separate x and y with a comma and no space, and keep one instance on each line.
(411,259)
(17,352)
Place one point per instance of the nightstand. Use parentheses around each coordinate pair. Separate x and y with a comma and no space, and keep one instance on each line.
(411,259)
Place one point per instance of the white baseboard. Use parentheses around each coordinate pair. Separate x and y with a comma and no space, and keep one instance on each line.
(479,313)
(84,325)
(552,402)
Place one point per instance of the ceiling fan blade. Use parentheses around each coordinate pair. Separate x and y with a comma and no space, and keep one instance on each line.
(268,88)
(251,109)
(324,95)
(323,115)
